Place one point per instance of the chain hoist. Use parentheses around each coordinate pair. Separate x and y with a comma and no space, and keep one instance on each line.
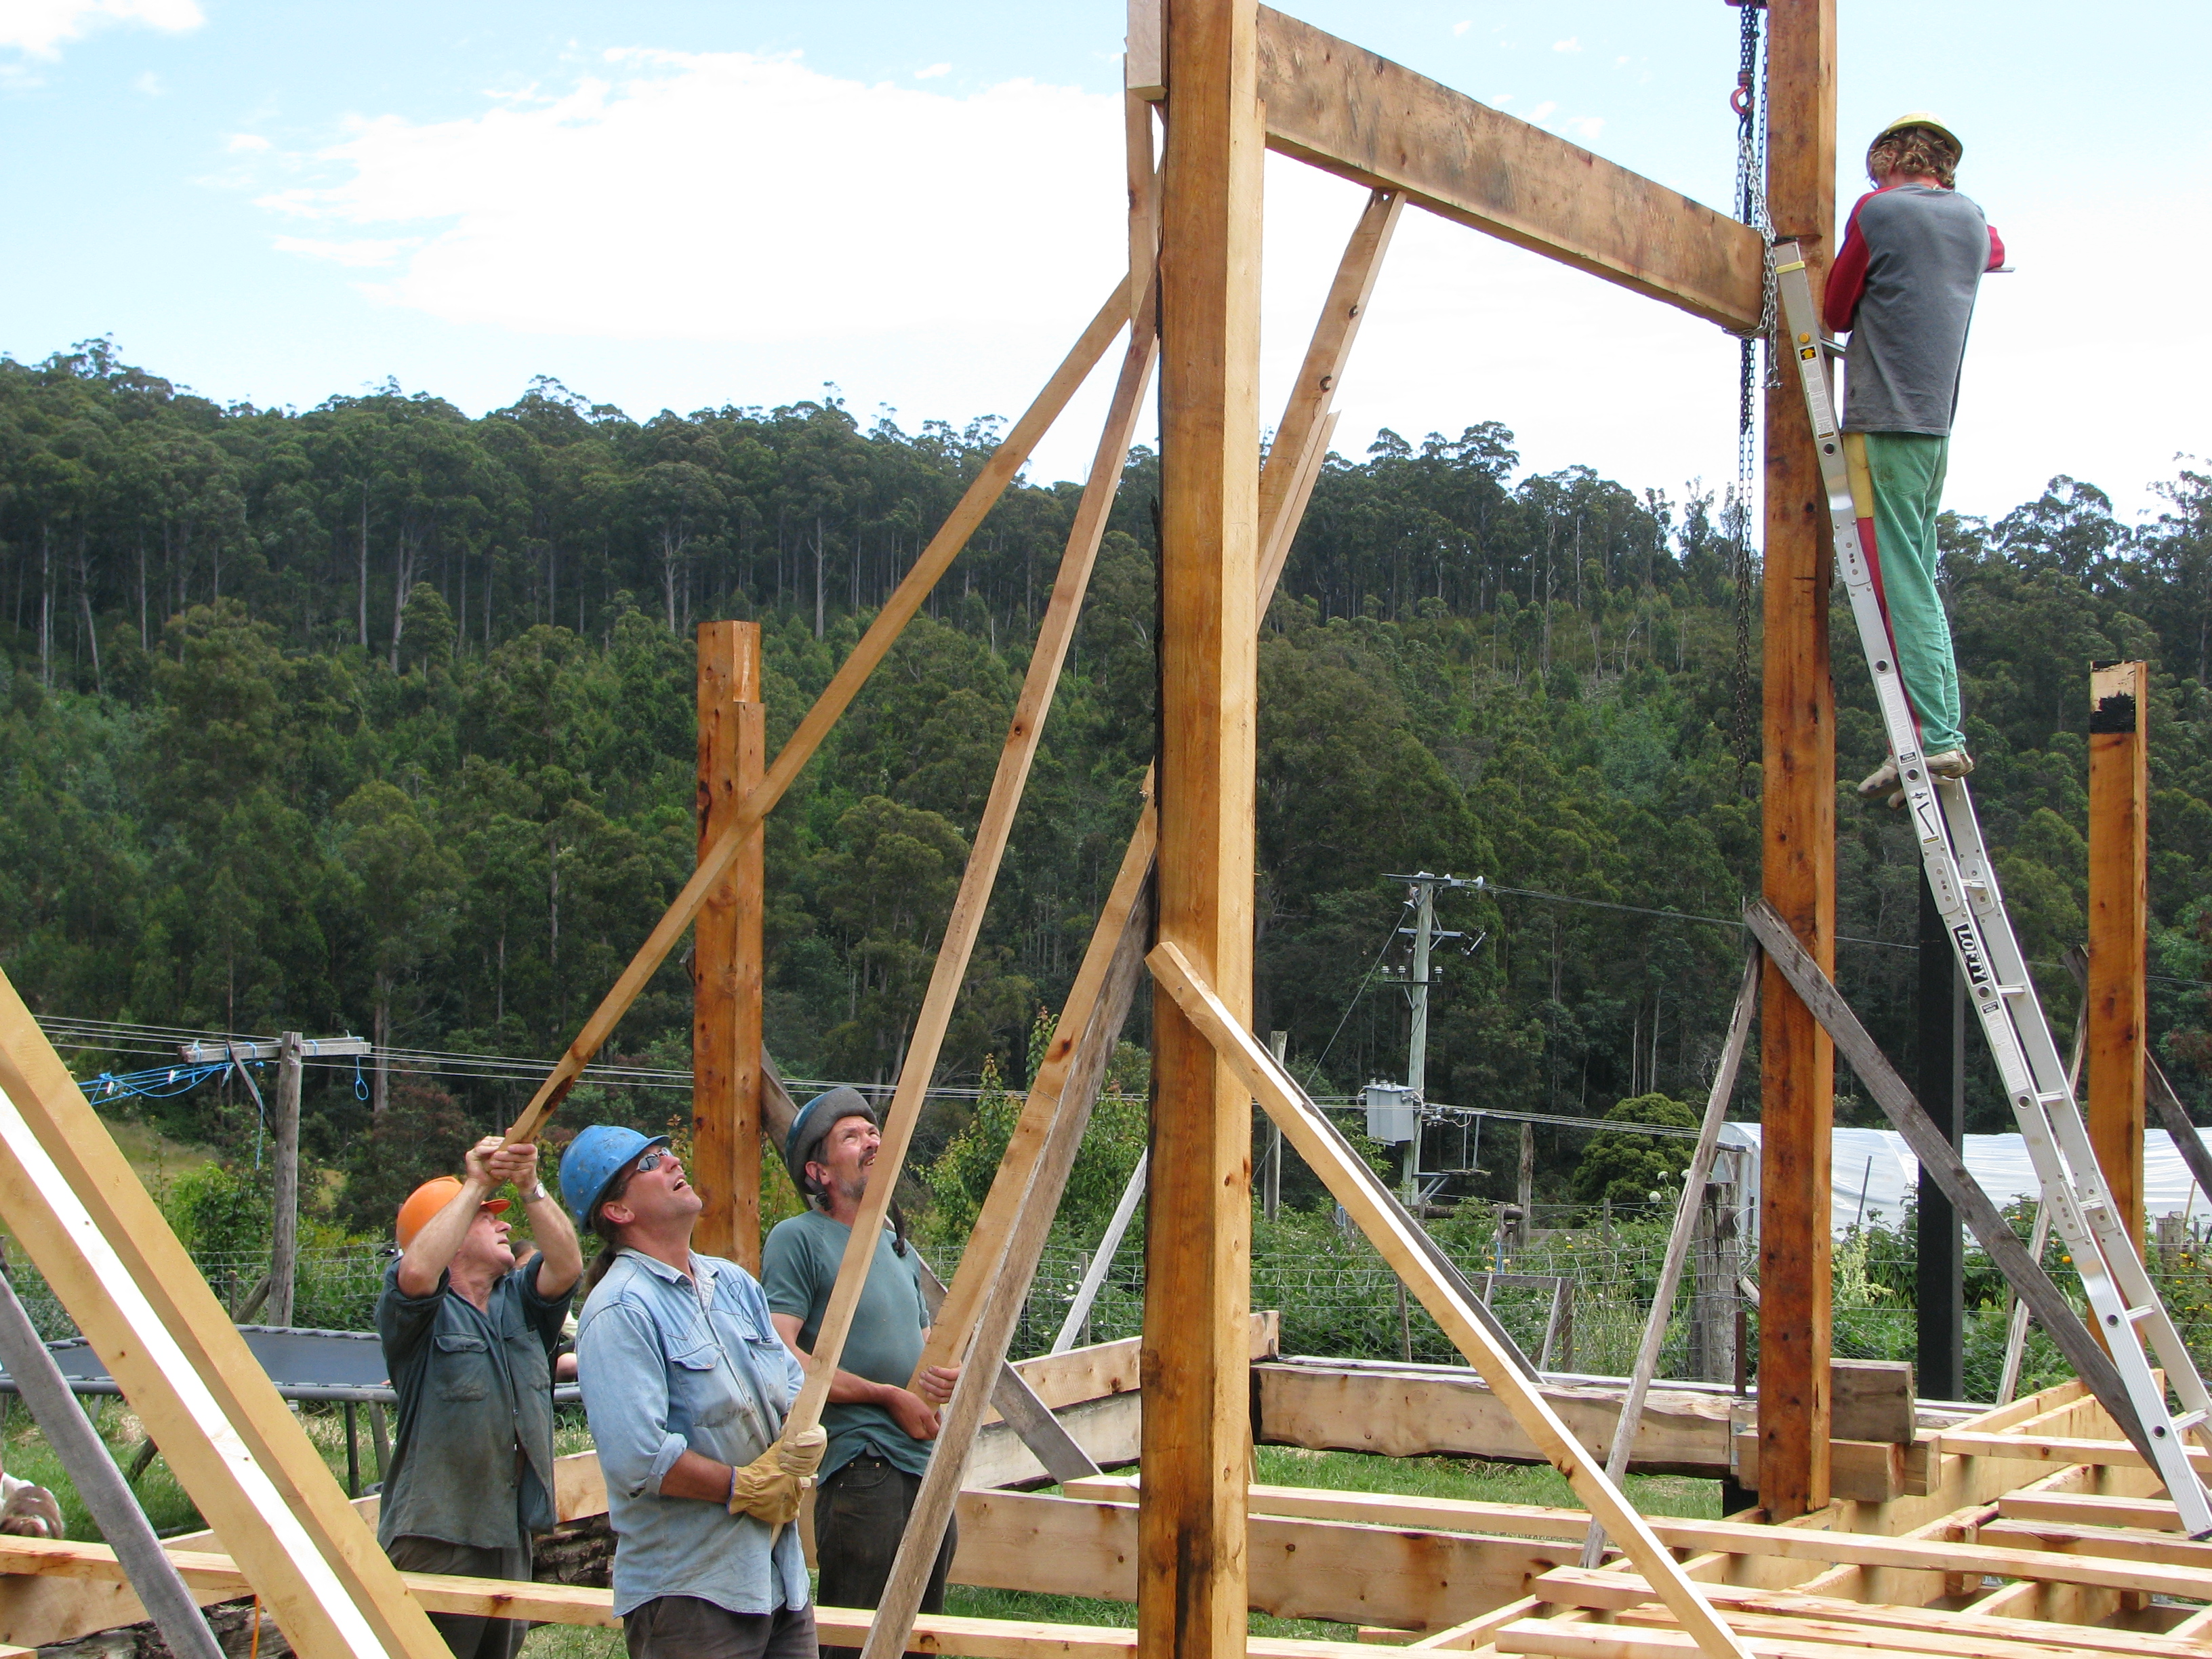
(1749,100)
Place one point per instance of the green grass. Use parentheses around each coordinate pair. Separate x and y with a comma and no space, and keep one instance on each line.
(29,1457)
(572,1641)
(1473,1480)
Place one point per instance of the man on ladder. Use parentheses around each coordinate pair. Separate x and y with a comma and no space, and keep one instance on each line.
(1924,272)
(1903,285)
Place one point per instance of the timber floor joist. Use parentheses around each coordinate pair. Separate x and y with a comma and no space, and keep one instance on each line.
(2004,1557)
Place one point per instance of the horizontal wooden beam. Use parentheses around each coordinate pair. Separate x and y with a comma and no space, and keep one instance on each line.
(1343,1571)
(1414,1415)
(1348,111)
(1862,1549)
(2091,1509)
(2111,1542)
(1860,1471)
(578,1604)
(1302,1570)
(1874,1622)
(2008,1544)
(2056,1449)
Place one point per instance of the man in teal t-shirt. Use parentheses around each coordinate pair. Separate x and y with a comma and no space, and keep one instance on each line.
(879,1430)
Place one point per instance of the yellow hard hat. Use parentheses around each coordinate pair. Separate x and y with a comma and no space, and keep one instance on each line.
(1920,118)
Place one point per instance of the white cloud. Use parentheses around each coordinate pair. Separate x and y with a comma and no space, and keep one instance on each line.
(728,198)
(41,27)
(360,252)
(932,71)
(245,143)
(1462,28)
(1585,127)
(1543,110)
(147,84)
(766,227)
(1571,44)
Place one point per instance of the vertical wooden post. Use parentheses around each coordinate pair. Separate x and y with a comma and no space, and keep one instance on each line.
(1941,1083)
(1191,1578)
(2119,894)
(284,1218)
(1796,1064)
(725,976)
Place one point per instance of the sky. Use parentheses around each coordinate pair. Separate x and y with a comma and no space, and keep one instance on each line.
(686,203)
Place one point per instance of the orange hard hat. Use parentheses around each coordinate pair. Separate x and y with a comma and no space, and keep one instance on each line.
(427,1200)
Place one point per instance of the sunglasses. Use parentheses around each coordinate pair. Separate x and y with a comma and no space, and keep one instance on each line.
(654,1159)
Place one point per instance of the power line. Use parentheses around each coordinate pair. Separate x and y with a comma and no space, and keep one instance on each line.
(122,1036)
(1736,922)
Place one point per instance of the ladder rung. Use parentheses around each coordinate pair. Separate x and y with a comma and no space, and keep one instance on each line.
(2014,990)
(2186,1421)
(2137,1316)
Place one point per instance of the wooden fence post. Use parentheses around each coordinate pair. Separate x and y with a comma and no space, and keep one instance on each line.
(2119,802)
(284,1219)
(725,961)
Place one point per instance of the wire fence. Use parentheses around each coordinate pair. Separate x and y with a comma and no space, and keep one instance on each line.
(334,1288)
(1574,1295)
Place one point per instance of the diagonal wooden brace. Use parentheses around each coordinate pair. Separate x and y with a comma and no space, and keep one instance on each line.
(70,1198)
(1286,483)
(875,645)
(1397,1236)
(2022,1271)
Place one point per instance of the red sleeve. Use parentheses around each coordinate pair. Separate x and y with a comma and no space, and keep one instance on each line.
(1996,250)
(1847,277)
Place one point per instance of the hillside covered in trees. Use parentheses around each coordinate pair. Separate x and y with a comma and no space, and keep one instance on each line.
(378,717)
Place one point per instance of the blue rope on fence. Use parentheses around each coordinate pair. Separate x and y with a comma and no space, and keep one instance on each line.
(161,1082)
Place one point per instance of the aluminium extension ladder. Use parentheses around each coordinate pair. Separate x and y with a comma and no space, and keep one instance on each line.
(2124,1306)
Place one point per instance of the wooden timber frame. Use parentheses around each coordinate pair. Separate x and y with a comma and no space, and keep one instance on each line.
(2031,1531)
(1879,1543)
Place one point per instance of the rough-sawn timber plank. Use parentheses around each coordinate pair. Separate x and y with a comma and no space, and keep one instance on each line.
(1346,110)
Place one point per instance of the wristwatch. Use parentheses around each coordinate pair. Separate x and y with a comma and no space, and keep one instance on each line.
(535,1194)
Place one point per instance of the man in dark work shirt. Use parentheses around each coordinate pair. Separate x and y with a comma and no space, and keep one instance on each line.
(469,1339)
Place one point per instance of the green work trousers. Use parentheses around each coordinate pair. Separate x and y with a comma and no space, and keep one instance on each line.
(1906,470)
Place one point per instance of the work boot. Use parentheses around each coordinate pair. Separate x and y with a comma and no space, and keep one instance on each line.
(1951,763)
(1881,781)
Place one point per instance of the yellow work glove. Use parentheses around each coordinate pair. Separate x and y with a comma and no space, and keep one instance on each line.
(768,1488)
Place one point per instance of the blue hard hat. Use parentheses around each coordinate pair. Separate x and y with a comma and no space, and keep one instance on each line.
(591,1161)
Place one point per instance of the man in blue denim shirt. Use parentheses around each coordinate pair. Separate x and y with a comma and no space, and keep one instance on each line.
(686,1384)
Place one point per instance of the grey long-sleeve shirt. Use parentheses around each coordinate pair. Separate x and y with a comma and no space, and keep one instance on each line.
(1904,282)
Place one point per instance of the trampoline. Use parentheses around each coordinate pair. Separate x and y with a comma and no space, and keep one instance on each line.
(345,1367)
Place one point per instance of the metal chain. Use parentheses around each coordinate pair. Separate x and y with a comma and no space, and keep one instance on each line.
(1749,102)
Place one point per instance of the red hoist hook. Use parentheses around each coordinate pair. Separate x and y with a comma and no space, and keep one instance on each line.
(1739,100)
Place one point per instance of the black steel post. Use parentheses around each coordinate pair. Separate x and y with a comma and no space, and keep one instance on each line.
(1940,1080)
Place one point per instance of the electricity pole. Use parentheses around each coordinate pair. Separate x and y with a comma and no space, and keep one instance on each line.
(1417,978)
(291,1052)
